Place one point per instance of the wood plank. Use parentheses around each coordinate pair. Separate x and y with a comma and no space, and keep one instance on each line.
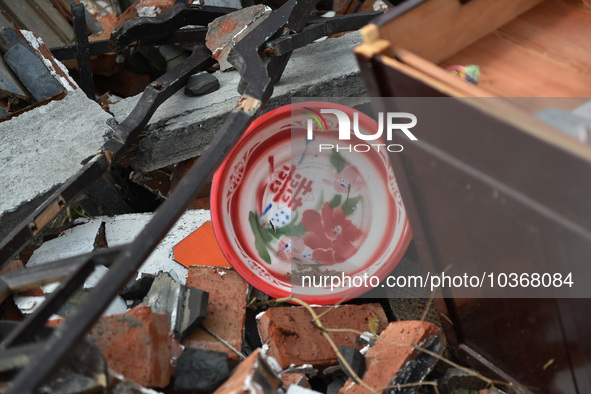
(543,53)
(437,29)
(39,16)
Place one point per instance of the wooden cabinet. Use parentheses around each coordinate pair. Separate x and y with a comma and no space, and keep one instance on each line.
(488,187)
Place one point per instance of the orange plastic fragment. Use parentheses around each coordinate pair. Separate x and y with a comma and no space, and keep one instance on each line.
(200,248)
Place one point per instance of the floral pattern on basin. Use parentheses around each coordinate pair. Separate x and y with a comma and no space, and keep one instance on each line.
(322,236)
(282,206)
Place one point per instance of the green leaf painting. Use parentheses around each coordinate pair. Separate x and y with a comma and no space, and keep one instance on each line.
(336,201)
(259,241)
(350,205)
(337,161)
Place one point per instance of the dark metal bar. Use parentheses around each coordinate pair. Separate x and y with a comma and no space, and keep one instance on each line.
(163,25)
(69,51)
(30,278)
(338,24)
(19,356)
(190,35)
(295,24)
(182,36)
(158,92)
(29,329)
(82,50)
(245,56)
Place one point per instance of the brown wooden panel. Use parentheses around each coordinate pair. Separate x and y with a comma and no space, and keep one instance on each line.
(486,195)
(437,29)
(543,53)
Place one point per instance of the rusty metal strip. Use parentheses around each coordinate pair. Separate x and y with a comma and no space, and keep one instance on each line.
(47,216)
(83,50)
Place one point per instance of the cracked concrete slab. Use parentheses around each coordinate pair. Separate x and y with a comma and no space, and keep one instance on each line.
(183,126)
(44,147)
(120,230)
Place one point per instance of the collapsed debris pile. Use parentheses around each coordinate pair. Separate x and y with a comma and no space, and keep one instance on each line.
(189,335)
(185,321)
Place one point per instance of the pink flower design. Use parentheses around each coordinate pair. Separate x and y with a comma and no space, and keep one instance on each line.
(330,235)
(288,247)
(348,178)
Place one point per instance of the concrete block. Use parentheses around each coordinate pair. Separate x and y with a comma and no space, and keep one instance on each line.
(123,229)
(43,148)
(119,230)
(183,126)
(224,3)
(32,72)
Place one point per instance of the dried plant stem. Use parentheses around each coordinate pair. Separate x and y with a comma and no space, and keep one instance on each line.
(491,382)
(222,340)
(316,321)
(325,332)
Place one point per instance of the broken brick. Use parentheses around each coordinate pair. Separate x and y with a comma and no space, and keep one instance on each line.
(298,379)
(13,265)
(200,248)
(389,363)
(293,339)
(226,311)
(157,181)
(253,375)
(200,203)
(108,64)
(136,344)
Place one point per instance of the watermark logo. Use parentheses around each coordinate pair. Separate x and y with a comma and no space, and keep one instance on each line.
(387,123)
(318,118)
